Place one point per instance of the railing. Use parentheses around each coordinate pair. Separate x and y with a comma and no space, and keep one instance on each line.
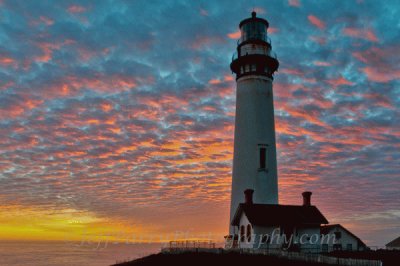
(271,54)
(191,244)
(262,37)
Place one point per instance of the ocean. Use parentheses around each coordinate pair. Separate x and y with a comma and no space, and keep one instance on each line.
(72,253)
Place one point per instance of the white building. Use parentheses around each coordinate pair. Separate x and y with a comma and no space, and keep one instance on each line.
(273,226)
(393,245)
(343,239)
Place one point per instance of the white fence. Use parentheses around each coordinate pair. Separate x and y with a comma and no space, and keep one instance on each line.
(309,257)
(296,256)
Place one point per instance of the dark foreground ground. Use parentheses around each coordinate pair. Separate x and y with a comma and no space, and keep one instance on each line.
(209,259)
(389,258)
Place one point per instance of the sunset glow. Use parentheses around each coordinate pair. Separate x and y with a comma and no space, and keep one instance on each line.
(117,118)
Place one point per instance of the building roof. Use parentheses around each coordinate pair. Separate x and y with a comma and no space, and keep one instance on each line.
(273,214)
(326,228)
(394,243)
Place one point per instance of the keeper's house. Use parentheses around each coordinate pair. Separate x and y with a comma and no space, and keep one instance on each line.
(393,245)
(288,227)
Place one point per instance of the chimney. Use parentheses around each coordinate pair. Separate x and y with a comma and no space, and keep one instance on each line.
(248,196)
(307,198)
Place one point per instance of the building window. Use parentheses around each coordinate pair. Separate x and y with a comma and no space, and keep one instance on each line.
(349,247)
(337,247)
(246,68)
(242,233)
(324,248)
(262,150)
(248,233)
(253,67)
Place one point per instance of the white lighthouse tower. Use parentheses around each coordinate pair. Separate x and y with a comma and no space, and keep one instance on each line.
(254,161)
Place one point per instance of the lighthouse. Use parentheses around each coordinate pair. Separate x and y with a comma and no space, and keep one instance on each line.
(254,159)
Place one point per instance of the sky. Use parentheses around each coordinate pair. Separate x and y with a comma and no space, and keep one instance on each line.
(117,117)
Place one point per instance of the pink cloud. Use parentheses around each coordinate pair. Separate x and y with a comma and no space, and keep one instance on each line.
(295,3)
(339,81)
(322,63)
(316,22)
(259,10)
(46,20)
(380,75)
(292,71)
(272,30)
(76,9)
(381,63)
(202,41)
(319,40)
(203,12)
(366,34)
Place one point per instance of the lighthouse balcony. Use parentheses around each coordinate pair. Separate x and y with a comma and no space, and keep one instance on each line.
(254,64)
(270,53)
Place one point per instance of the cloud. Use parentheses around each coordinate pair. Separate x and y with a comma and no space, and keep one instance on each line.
(234,35)
(108,111)
(295,3)
(76,9)
(365,34)
(380,63)
(316,22)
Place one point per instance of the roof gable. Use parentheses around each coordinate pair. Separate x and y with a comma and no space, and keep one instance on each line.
(325,230)
(273,214)
(394,243)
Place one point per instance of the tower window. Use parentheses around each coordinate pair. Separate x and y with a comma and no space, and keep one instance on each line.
(262,149)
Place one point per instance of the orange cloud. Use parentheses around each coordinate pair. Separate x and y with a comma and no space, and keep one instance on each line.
(214,81)
(5,61)
(234,35)
(316,22)
(48,48)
